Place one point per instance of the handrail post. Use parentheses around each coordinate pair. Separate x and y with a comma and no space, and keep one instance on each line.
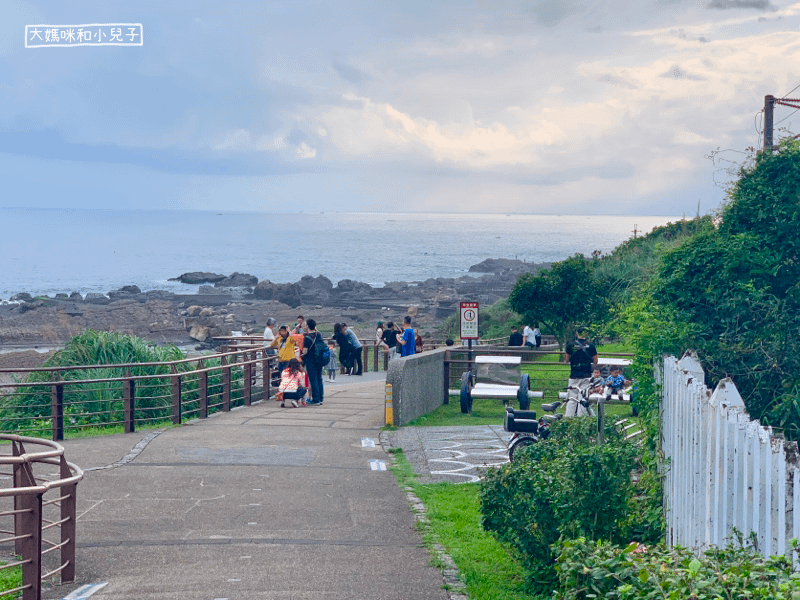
(226,384)
(57,407)
(202,389)
(266,375)
(365,358)
(69,512)
(30,547)
(375,358)
(386,362)
(247,378)
(129,402)
(17,449)
(176,396)
(446,377)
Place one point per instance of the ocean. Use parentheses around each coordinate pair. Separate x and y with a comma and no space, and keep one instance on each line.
(47,251)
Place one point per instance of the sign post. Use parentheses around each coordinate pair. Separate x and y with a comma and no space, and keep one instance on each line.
(469,322)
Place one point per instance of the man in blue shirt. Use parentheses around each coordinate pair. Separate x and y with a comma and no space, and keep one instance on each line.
(407,340)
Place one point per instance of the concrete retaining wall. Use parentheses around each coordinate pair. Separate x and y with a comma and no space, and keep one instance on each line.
(417,385)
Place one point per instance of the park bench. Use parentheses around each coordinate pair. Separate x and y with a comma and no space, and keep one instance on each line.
(496,377)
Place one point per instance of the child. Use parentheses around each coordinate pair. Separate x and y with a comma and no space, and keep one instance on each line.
(291,387)
(614,383)
(596,383)
(332,365)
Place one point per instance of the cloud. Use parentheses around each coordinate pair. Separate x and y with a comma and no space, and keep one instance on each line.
(764,5)
(351,74)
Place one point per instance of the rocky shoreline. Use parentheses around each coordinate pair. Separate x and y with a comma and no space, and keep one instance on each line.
(240,302)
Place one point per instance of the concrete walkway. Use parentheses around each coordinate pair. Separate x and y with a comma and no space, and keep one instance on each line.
(258,503)
(452,454)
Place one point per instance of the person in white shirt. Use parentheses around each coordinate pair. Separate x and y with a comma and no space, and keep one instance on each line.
(530,337)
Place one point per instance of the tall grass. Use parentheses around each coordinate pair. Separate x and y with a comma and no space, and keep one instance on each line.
(100,403)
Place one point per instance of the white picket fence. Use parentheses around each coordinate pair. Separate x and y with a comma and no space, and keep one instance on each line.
(723,470)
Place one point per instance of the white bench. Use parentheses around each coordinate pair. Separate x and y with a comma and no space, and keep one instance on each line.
(494,376)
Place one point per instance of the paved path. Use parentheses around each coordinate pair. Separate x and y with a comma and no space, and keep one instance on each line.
(452,454)
(258,503)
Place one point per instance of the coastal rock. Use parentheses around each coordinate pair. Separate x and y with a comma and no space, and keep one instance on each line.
(207,312)
(95,298)
(193,310)
(199,333)
(158,295)
(21,297)
(287,293)
(237,280)
(27,306)
(497,265)
(197,277)
(315,290)
(76,297)
(126,292)
(62,296)
(348,290)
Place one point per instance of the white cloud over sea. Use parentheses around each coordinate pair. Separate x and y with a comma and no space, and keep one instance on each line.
(544,106)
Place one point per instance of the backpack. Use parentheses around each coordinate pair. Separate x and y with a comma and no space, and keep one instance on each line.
(324,356)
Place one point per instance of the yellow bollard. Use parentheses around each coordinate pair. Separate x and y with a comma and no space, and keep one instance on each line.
(388,410)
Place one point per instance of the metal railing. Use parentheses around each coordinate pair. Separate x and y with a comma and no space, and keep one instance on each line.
(33,516)
(57,399)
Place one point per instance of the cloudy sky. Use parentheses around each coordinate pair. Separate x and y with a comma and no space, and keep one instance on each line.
(545,106)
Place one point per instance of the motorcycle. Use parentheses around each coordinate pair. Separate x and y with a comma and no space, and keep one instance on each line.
(527,429)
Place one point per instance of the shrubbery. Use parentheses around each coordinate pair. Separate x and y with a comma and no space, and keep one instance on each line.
(568,486)
(603,570)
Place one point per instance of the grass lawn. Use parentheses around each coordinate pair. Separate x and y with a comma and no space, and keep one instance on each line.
(9,579)
(487,568)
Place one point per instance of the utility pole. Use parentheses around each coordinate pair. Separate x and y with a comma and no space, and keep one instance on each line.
(769,108)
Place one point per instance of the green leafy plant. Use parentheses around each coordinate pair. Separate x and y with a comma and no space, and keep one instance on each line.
(565,486)
(588,569)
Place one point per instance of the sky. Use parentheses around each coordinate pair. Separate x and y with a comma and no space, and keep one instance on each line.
(545,106)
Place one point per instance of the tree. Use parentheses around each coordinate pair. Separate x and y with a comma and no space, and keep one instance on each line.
(736,287)
(560,298)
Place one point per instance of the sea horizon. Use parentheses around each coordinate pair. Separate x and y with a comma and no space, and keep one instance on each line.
(56,250)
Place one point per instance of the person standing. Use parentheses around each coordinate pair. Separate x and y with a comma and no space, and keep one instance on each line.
(358,349)
(313,347)
(406,340)
(582,356)
(286,349)
(345,350)
(515,339)
(332,366)
(300,325)
(269,336)
(389,340)
(537,335)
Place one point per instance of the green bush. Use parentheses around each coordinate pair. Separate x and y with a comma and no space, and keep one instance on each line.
(565,486)
(604,570)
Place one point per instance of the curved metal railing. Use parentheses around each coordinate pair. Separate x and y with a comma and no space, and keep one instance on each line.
(36,513)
